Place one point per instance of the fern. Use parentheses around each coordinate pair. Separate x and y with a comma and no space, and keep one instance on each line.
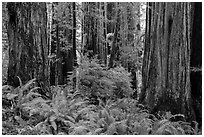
(96,80)
(55,110)
(118,127)
(80,130)
(72,113)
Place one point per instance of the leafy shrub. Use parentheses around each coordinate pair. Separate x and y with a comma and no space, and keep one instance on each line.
(96,80)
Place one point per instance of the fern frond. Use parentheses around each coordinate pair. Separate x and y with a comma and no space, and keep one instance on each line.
(11,96)
(69,123)
(76,105)
(102,123)
(180,131)
(35,88)
(80,130)
(20,81)
(163,122)
(28,97)
(7,88)
(66,118)
(37,105)
(98,131)
(52,119)
(195,130)
(162,126)
(103,113)
(111,129)
(122,127)
(28,84)
(39,125)
(87,109)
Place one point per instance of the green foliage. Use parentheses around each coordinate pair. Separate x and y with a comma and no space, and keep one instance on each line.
(69,113)
(166,126)
(56,111)
(98,81)
(13,100)
(131,57)
(19,95)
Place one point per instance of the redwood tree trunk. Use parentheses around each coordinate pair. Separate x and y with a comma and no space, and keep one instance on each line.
(27,36)
(74,33)
(114,45)
(196,62)
(166,64)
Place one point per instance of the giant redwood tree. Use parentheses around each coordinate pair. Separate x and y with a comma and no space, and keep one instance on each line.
(166,64)
(27,36)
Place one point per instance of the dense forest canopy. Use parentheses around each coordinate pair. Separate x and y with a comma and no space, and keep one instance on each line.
(101,68)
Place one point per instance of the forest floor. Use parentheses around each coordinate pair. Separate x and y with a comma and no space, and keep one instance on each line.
(101,104)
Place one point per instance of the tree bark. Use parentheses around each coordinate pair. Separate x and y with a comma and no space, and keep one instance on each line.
(49,39)
(90,29)
(196,62)
(166,64)
(74,33)
(105,32)
(74,45)
(114,44)
(28,49)
(57,66)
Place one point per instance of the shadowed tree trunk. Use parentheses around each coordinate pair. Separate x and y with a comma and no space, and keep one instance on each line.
(94,30)
(89,28)
(57,66)
(49,39)
(74,44)
(28,49)
(74,33)
(114,45)
(105,33)
(196,62)
(111,14)
(166,64)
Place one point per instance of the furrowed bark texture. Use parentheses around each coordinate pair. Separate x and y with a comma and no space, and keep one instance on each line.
(196,62)
(166,64)
(28,49)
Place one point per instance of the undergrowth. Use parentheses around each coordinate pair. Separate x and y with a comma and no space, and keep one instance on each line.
(26,112)
(104,83)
